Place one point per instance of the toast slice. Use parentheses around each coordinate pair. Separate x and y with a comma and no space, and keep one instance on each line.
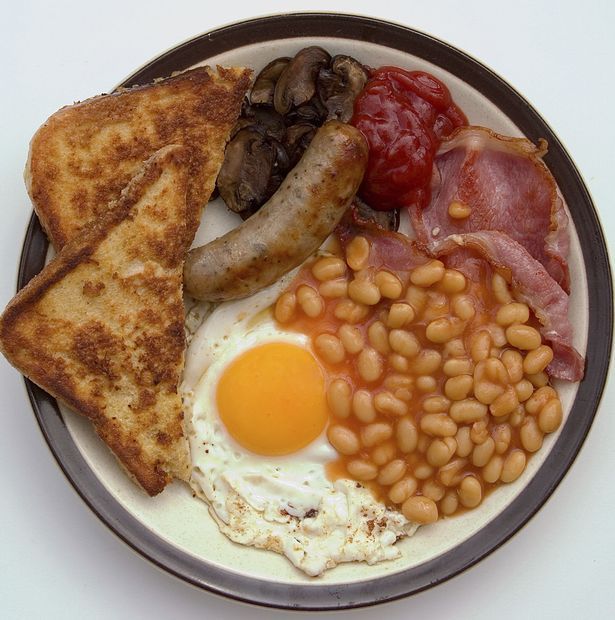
(101,327)
(85,154)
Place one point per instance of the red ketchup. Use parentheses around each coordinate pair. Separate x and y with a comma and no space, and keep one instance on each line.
(404,115)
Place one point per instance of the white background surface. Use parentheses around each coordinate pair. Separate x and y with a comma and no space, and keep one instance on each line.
(56,559)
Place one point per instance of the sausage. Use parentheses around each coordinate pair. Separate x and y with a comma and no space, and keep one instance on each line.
(287,229)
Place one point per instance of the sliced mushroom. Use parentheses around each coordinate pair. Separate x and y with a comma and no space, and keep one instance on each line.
(244,176)
(313,112)
(339,85)
(297,83)
(266,119)
(264,85)
(363,214)
(298,138)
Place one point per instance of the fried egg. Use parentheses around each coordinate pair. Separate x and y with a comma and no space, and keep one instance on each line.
(257,414)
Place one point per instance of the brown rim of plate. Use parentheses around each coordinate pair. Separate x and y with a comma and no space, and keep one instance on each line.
(546,479)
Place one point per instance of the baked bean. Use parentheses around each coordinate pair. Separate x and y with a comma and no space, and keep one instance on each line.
(407,435)
(328,268)
(436,404)
(540,379)
(285,307)
(495,352)
(440,451)
(480,345)
(427,274)
(400,314)
(464,441)
(398,362)
(351,338)
(523,337)
(513,466)
(422,471)
(459,210)
(378,337)
(495,370)
(402,490)
(343,439)
(524,390)
(453,282)
(310,301)
(423,443)
(539,398)
(330,348)
(511,313)
(513,361)
(486,391)
(498,335)
(339,398)
(357,253)
(403,394)
(470,492)
(425,383)
(493,469)
(463,307)
(349,311)
(361,469)
(502,434)
(449,503)
(459,387)
(433,490)
(403,342)
(479,431)
(363,406)
(376,433)
(386,403)
(505,403)
(483,452)
(438,425)
(332,289)
(454,348)
(426,362)
(442,330)
(458,366)
(550,416)
(419,509)
(450,475)
(467,410)
(396,381)
(369,365)
(389,284)
(417,298)
(437,306)
(500,289)
(392,472)
(363,291)
(531,436)
(383,453)
(538,359)
(517,416)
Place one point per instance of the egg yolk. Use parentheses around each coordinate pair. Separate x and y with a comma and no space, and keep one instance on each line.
(272,399)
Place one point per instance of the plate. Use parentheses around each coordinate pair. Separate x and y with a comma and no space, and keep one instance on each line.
(173,530)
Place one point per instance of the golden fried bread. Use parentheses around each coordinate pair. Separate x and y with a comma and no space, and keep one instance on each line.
(101,327)
(85,154)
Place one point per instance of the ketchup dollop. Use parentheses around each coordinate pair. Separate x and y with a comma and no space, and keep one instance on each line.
(404,115)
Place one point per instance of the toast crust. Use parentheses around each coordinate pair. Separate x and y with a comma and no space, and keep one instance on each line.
(82,157)
(101,327)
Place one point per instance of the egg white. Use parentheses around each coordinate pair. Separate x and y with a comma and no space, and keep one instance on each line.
(286,503)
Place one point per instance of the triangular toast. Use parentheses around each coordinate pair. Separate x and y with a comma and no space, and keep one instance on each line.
(101,327)
(85,154)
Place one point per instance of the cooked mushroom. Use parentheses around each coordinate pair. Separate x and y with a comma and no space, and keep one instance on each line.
(297,83)
(339,85)
(244,177)
(298,138)
(264,85)
(313,112)
(266,119)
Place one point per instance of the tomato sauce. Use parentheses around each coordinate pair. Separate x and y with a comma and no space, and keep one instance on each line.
(404,116)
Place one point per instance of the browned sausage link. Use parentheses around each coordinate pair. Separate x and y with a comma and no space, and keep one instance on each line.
(289,227)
